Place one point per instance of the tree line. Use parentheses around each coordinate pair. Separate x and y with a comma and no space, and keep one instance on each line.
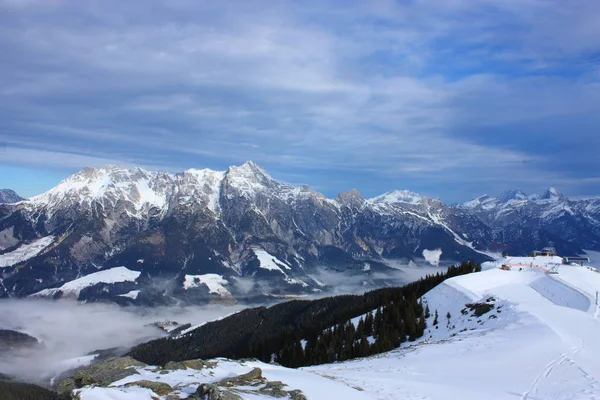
(299,333)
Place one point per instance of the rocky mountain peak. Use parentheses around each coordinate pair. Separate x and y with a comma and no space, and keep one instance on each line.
(512,195)
(9,196)
(551,193)
(249,169)
(351,198)
(398,196)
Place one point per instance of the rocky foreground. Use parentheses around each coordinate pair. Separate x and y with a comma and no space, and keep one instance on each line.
(126,378)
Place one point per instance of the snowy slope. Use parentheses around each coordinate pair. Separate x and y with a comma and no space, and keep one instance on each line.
(72,288)
(539,341)
(25,252)
(215,283)
(186,381)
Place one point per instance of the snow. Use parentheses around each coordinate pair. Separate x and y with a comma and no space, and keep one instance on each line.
(208,182)
(215,283)
(248,179)
(187,381)
(25,252)
(132,295)
(268,261)
(294,281)
(540,344)
(131,393)
(432,256)
(112,275)
(398,196)
(140,189)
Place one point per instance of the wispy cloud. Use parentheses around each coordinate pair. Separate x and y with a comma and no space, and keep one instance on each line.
(396,94)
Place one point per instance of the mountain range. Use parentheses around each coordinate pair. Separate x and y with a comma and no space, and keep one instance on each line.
(135,236)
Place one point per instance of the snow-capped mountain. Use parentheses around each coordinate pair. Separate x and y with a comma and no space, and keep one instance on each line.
(240,233)
(9,196)
(516,216)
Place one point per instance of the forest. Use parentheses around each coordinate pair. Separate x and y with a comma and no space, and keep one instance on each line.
(302,332)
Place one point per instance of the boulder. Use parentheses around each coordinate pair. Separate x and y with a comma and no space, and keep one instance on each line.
(210,391)
(297,395)
(174,365)
(274,389)
(244,379)
(102,374)
(160,388)
(198,364)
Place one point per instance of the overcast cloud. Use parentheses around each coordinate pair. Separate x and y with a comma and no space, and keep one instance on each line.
(448,98)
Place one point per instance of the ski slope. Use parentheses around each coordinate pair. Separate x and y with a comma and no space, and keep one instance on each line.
(541,340)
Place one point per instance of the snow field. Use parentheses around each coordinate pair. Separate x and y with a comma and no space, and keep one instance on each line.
(215,283)
(541,344)
(74,287)
(25,252)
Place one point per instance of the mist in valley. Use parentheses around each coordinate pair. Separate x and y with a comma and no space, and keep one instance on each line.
(70,330)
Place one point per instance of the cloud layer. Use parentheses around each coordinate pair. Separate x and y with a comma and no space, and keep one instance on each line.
(448,98)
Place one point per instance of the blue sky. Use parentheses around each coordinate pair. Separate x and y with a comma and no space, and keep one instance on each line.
(448,98)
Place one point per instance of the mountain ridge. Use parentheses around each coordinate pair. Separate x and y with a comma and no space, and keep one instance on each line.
(9,196)
(243,224)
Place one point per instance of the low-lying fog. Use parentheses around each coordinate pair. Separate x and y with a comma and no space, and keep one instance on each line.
(69,329)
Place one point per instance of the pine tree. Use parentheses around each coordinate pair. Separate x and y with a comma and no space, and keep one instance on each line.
(435,318)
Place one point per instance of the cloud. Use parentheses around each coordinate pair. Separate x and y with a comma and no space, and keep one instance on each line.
(411,93)
(69,330)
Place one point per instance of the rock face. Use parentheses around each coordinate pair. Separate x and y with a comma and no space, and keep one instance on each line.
(194,236)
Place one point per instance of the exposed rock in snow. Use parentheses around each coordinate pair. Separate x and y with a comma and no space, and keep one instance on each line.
(215,283)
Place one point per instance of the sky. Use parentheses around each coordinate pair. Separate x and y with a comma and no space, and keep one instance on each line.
(448,98)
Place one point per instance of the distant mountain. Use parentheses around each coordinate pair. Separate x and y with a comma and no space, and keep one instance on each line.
(521,222)
(9,196)
(136,236)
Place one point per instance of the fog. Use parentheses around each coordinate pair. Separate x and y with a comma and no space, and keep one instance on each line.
(69,329)
(400,273)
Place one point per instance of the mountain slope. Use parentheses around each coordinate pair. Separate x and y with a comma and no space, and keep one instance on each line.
(538,341)
(539,220)
(257,236)
(235,224)
(9,196)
